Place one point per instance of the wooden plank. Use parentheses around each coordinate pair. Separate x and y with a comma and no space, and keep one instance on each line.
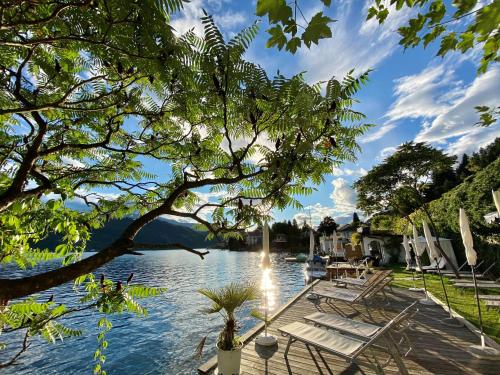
(247,336)
(437,349)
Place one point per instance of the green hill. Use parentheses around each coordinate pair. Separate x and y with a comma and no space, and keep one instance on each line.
(159,231)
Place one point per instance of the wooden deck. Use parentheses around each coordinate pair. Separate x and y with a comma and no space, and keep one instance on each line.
(438,349)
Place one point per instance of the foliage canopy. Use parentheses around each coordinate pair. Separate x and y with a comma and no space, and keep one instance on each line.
(93,93)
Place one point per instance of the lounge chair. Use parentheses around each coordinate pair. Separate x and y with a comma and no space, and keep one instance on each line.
(464,273)
(356,281)
(441,263)
(361,330)
(351,349)
(377,284)
(443,272)
(480,284)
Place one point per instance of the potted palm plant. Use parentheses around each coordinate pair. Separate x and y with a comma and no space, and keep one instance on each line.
(226,301)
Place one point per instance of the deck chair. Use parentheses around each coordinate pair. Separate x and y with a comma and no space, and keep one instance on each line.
(480,284)
(441,263)
(445,272)
(467,273)
(356,281)
(361,330)
(377,284)
(352,349)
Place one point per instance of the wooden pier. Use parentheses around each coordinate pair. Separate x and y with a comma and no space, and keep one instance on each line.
(437,349)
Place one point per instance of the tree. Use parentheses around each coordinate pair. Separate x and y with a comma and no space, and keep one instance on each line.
(484,156)
(355,220)
(82,111)
(401,182)
(462,171)
(327,226)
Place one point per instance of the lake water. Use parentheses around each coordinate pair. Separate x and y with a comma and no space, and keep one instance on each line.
(164,341)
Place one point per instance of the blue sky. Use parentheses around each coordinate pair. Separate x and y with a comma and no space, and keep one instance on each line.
(412,94)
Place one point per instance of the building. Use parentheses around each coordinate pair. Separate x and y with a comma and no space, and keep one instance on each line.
(280,241)
(254,237)
(344,233)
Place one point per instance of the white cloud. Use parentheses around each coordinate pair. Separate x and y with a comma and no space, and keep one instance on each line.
(317,213)
(473,140)
(386,152)
(377,134)
(458,118)
(344,204)
(349,172)
(190,17)
(426,94)
(344,197)
(355,44)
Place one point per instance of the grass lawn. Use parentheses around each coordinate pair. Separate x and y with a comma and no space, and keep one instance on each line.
(463,302)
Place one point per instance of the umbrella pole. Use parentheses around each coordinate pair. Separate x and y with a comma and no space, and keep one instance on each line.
(426,300)
(414,289)
(478,306)
(451,321)
(482,351)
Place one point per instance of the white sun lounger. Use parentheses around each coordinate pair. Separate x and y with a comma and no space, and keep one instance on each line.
(355,281)
(377,284)
(350,348)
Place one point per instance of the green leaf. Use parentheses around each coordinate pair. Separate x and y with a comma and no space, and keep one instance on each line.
(327,2)
(277,38)
(293,44)
(448,43)
(277,10)
(317,29)
(466,41)
(436,31)
(437,10)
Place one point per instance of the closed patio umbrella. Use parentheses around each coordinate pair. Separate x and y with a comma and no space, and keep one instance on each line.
(482,350)
(419,251)
(266,261)
(434,254)
(310,265)
(311,245)
(406,246)
(496,199)
(266,340)
(334,244)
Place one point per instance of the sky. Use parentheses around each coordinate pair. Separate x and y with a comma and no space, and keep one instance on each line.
(411,95)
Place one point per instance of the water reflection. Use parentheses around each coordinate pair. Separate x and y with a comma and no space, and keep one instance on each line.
(164,342)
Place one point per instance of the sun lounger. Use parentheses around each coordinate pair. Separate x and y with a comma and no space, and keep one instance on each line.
(443,272)
(361,330)
(355,281)
(353,296)
(434,265)
(466,273)
(353,350)
(480,284)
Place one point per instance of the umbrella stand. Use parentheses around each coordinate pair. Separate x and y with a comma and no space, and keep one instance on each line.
(481,351)
(451,321)
(311,296)
(414,289)
(265,340)
(426,300)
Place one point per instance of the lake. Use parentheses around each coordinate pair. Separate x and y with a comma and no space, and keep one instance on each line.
(164,341)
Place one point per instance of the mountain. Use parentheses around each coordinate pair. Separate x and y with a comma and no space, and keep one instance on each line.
(159,231)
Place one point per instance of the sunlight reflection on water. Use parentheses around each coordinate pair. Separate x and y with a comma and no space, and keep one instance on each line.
(164,342)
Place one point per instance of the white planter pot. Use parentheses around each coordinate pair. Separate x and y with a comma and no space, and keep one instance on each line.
(228,361)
